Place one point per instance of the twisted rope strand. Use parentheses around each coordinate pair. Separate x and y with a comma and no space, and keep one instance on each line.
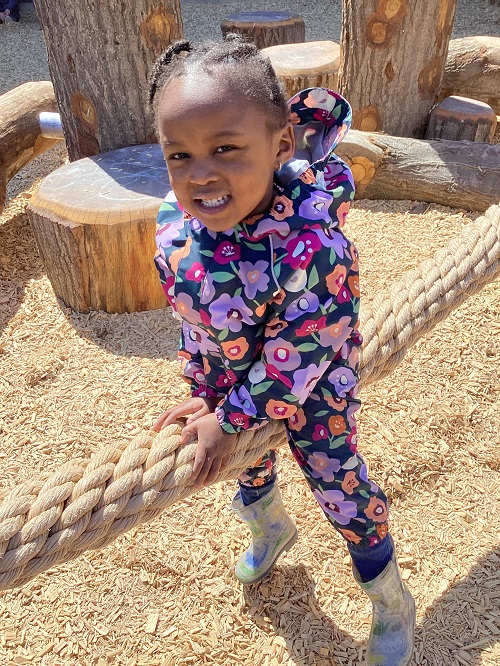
(87,504)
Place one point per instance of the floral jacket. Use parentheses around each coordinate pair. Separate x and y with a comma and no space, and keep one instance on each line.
(271,305)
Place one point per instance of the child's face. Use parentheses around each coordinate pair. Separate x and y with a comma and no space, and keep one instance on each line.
(219,150)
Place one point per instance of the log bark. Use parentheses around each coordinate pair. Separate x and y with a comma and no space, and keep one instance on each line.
(266,29)
(94,223)
(393,54)
(307,65)
(20,138)
(473,70)
(451,173)
(100,56)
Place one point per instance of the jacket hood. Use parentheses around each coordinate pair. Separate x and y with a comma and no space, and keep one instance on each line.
(314,188)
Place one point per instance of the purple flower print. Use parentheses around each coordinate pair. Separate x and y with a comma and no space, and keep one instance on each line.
(228,312)
(197,340)
(168,232)
(308,302)
(351,414)
(297,281)
(257,372)
(184,305)
(323,467)
(332,238)
(335,335)
(300,250)
(334,505)
(269,225)
(343,379)
(305,379)
(282,354)
(363,475)
(193,370)
(254,276)
(242,400)
(317,206)
(227,252)
(207,290)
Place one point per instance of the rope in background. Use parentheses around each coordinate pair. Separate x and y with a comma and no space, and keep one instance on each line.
(88,503)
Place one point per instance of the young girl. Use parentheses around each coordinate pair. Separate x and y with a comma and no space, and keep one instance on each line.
(253,261)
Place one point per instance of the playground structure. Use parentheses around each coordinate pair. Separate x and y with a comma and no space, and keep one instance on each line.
(20,543)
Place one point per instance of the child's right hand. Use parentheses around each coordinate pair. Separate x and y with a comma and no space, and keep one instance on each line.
(193,408)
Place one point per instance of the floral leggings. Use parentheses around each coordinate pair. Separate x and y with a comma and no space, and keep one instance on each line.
(322,438)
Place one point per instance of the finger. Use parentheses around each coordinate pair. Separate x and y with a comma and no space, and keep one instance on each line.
(188,432)
(160,421)
(196,415)
(201,467)
(213,472)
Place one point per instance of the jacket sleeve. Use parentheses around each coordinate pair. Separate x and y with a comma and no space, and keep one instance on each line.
(312,332)
(189,348)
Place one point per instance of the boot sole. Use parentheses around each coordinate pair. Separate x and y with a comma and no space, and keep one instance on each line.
(288,545)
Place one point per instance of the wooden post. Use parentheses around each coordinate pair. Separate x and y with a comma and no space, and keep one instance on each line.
(94,223)
(266,28)
(393,54)
(462,119)
(307,65)
(100,56)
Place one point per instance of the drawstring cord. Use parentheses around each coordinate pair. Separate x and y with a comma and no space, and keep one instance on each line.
(278,288)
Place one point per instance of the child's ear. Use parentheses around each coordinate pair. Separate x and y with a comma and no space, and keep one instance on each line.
(286,147)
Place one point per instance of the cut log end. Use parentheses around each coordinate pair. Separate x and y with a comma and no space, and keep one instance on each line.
(462,119)
(266,29)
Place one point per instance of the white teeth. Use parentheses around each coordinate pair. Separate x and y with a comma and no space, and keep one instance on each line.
(212,203)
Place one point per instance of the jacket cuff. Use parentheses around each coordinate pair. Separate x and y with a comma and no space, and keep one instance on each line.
(204,391)
(234,422)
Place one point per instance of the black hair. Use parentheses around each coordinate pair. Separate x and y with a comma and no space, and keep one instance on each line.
(239,61)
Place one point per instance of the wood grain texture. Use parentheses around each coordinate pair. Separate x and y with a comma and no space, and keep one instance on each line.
(393,54)
(266,29)
(94,223)
(100,56)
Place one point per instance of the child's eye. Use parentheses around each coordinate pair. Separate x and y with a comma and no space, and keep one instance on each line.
(177,156)
(224,149)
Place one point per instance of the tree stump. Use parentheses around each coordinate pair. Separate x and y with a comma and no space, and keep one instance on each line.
(266,28)
(473,70)
(462,119)
(20,138)
(100,57)
(307,65)
(393,55)
(94,223)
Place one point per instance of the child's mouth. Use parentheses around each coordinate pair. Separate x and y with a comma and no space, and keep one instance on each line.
(213,204)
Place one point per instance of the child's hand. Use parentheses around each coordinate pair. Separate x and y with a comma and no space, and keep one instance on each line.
(213,451)
(194,407)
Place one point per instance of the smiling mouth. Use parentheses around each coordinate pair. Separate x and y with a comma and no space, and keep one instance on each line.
(213,203)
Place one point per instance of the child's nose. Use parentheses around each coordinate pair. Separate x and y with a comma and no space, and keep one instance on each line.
(203,172)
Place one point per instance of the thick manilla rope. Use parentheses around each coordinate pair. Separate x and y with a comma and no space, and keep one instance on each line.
(88,503)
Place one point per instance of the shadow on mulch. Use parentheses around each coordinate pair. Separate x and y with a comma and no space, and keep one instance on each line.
(437,635)
(19,263)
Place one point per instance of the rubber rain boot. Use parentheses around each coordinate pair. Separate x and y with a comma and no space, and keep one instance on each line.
(393,626)
(273,531)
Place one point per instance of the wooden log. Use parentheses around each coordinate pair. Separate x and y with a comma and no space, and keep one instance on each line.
(100,56)
(266,29)
(94,223)
(451,173)
(306,65)
(473,70)
(20,138)
(461,119)
(393,55)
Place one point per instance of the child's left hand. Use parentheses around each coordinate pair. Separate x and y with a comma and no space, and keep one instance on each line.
(213,450)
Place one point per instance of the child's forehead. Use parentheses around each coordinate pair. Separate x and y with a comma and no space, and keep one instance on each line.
(203,92)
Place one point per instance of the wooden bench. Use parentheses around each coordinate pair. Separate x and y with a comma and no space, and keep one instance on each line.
(94,223)
(306,65)
(266,28)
